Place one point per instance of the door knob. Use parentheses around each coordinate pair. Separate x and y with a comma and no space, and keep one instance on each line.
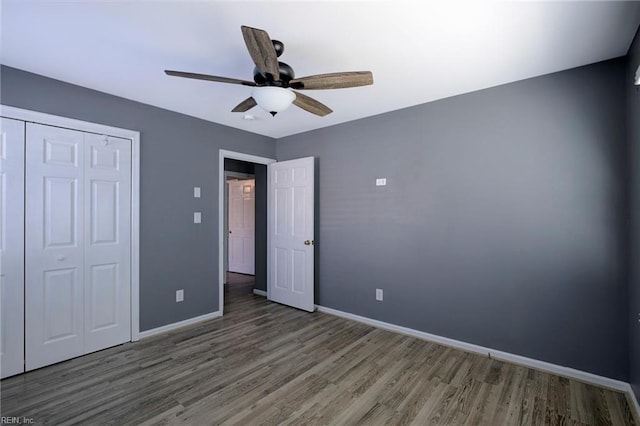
(308,242)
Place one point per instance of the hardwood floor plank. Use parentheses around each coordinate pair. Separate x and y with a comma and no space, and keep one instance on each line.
(398,391)
(536,398)
(433,408)
(478,411)
(461,409)
(515,398)
(408,409)
(264,363)
(378,414)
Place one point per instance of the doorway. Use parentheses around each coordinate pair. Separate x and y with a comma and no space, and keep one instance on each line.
(289,222)
(242,168)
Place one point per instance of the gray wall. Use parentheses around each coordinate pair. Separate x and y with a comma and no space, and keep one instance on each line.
(633,115)
(177,153)
(502,222)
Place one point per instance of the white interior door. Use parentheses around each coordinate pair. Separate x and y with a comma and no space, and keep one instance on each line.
(291,233)
(11,247)
(78,247)
(242,226)
(54,249)
(107,241)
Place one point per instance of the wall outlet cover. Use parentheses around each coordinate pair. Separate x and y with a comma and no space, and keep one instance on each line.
(379,294)
(179,295)
(196,192)
(381,181)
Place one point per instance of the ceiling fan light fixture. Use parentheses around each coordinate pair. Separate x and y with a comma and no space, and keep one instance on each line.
(273,99)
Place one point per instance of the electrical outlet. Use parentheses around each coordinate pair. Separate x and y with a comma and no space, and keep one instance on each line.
(196,192)
(379,294)
(381,181)
(197,217)
(179,295)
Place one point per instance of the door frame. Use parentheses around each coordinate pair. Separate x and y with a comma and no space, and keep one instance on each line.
(222,183)
(134,136)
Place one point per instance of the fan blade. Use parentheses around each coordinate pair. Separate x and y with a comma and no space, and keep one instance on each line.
(262,52)
(337,80)
(311,105)
(245,105)
(209,77)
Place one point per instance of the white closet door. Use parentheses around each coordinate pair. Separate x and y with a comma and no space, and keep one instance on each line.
(107,230)
(78,243)
(54,249)
(11,247)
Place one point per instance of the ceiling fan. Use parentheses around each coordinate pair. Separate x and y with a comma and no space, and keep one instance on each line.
(273,81)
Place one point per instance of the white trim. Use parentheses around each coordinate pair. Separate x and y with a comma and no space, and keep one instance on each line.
(493,353)
(69,123)
(179,324)
(135,237)
(221,190)
(633,401)
(134,136)
(258,292)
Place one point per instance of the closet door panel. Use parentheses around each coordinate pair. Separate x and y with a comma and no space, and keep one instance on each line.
(54,246)
(107,241)
(11,247)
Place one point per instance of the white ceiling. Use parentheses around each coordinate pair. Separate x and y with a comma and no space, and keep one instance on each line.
(418,51)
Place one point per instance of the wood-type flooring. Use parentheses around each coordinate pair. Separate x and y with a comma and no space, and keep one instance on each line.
(264,363)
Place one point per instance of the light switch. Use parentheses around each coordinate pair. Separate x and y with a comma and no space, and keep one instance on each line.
(196,192)
(197,217)
(381,181)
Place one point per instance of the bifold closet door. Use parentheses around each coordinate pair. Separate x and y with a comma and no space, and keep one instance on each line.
(54,250)
(11,247)
(107,242)
(77,243)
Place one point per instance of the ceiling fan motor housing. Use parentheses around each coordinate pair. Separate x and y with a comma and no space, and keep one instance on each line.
(286,75)
(285,70)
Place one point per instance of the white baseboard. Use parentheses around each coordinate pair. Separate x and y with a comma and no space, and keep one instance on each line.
(179,324)
(634,401)
(259,292)
(493,353)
